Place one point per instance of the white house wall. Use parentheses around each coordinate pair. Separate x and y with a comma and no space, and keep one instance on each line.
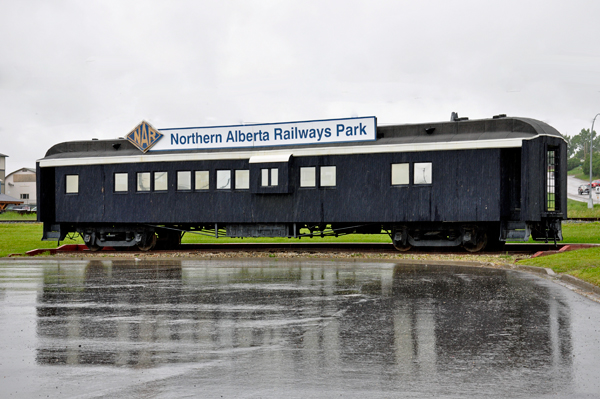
(16,187)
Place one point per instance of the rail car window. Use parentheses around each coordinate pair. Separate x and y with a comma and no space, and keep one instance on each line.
(269,177)
(308,177)
(400,172)
(223,179)
(242,179)
(552,164)
(184,180)
(328,176)
(422,173)
(72,184)
(143,181)
(202,182)
(160,181)
(121,182)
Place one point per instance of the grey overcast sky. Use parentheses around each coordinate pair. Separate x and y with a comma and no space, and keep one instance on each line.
(72,70)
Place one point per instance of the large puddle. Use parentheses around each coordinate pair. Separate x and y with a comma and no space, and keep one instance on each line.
(291,329)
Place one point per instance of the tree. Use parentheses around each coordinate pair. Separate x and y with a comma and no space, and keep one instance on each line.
(595,165)
(570,148)
(579,145)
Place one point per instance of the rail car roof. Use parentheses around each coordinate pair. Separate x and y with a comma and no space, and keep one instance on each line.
(502,132)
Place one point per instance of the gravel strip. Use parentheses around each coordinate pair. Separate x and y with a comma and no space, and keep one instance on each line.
(490,260)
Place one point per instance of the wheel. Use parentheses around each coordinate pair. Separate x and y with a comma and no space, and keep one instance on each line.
(481,242)
(397,239)
(147,243)
(401,247)
(93,247)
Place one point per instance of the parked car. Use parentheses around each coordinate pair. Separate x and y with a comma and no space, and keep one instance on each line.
(595,183)
(584,189)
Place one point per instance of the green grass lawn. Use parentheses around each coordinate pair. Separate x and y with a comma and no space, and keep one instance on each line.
(10,215)
(190,238)
(582,233)
(578,209)
(583,263)
(22,237)
(580,174)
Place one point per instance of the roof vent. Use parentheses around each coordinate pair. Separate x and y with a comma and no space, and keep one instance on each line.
(454,117)
(429,130)
(499,116)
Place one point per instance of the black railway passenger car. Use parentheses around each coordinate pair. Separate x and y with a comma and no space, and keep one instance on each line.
(470,183)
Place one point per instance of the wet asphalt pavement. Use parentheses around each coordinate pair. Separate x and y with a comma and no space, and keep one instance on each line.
(281,329)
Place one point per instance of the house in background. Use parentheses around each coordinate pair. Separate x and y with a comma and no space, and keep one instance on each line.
(20,184)
(2,172)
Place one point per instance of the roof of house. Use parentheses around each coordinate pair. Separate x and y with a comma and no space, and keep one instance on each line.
(8,199)
(21,170)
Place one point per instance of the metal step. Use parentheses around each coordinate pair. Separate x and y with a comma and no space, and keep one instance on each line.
(52,234)
(515,230)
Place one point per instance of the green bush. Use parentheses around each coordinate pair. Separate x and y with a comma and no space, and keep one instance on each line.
(574,162)
(595,165)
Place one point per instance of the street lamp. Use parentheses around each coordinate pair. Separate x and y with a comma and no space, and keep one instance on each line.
(591,201)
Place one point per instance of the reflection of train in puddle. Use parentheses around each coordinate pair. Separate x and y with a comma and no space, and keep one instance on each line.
(407,319)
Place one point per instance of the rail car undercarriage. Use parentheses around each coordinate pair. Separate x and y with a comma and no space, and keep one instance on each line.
(473,237)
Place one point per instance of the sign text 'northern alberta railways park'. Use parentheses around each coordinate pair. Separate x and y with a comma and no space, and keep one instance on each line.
(255,135)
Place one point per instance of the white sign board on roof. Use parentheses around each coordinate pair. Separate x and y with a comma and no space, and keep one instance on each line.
(269,135)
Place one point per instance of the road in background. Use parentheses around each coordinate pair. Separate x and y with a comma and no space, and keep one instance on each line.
(572,184)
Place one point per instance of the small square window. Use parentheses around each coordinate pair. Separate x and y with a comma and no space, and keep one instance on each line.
(24,196)
(202,182)
(160,181)
(400,173)
(184,180)
(143,181)
(264,177)
(72,184)
(422,173)
(242,179)
(328,176)
(121,182)
(223,179)
(308,177)
(274,176)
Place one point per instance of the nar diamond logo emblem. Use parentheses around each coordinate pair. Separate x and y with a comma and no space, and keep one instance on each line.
(144,136)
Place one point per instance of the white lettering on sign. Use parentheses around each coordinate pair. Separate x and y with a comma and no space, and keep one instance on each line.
(274,134)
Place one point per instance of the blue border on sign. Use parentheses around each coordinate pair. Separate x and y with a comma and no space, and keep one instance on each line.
(275,123)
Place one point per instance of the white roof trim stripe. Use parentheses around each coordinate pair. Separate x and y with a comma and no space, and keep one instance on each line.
(270,158)
(299,152)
